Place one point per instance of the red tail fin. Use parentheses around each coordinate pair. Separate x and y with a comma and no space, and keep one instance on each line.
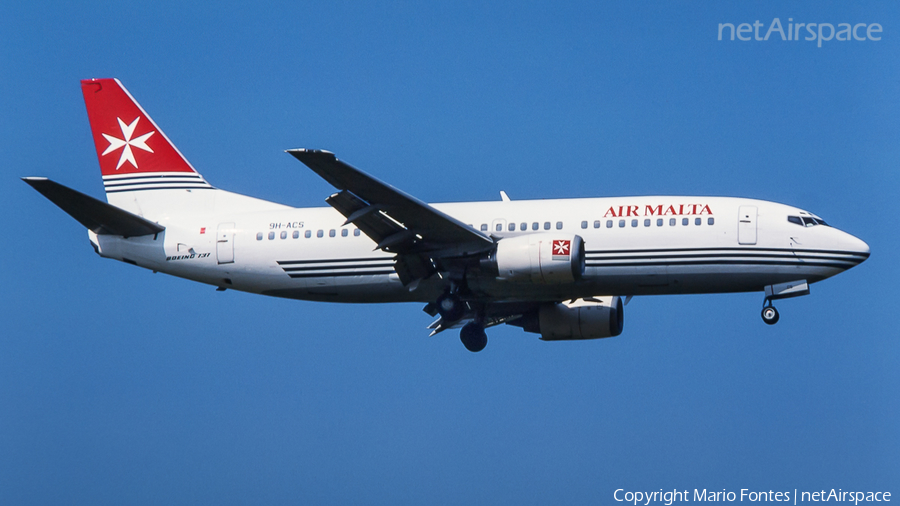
(134,154)
(127,140)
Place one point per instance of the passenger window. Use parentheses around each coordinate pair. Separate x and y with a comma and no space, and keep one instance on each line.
(583,224)
(621,223)
(633,223)
(499,227)
(259,236)
(344,232)
(320,233)
(307,234)
(271,235)
(284,234)
(331,233)
(558,225)
(710,221)
(296,234)
(698,221)
(608,223)
(647,223)
(685,221)
(523,227)
(659,222)
(671,222)
(484,227)
(546,225)
(512,227)
(355,232)
(596,223)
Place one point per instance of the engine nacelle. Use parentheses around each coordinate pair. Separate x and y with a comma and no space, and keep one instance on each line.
(539,258)
(593,318)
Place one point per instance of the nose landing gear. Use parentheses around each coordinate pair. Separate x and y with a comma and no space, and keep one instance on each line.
(781,291)
(769,313)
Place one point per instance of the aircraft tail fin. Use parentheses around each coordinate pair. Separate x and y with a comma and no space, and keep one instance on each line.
(99,217)
(134,154)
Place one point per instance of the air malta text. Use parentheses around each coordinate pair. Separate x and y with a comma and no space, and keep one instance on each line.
(660,210)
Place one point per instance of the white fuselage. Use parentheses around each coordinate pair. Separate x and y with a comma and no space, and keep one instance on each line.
(634,246)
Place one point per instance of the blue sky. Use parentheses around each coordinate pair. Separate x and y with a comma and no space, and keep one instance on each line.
(121,386)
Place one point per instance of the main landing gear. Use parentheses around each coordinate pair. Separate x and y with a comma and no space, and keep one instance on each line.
(473,337)
(450,307)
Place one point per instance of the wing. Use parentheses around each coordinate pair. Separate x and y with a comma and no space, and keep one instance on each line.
(396,221)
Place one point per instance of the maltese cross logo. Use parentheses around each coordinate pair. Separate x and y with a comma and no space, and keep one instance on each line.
(561,248)
(126,142)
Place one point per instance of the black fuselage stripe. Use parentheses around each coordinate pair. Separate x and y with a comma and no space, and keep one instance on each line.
(154,183)
(145,188)
(334,260)
(846,258)
(158,183)
(341,274)
(336,267)
(676,250)
(835,265)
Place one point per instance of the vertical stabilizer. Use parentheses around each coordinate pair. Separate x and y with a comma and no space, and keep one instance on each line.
(134,154)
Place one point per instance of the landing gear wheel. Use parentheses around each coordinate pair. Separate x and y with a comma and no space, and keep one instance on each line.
(450,307)
(473,337)
(770,315)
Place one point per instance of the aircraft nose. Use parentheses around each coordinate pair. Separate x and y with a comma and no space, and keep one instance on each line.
(859,246)
(856,246)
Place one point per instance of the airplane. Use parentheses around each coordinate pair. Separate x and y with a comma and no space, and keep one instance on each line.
(558,268)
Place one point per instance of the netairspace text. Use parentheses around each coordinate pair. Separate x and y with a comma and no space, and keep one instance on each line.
(820,32)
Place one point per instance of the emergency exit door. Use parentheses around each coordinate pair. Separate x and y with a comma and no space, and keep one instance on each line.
(747,225)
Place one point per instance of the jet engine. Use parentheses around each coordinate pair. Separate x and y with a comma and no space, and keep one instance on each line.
(538,258)
(590,318)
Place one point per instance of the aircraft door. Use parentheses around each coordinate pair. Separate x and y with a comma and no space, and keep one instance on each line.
(225,243)
(747,225)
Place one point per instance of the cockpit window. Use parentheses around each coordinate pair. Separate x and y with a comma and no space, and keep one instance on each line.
(806,221)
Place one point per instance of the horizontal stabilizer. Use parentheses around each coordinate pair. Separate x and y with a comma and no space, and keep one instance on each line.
(97,216)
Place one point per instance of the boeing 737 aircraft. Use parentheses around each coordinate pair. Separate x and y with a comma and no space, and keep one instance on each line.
(558,268)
